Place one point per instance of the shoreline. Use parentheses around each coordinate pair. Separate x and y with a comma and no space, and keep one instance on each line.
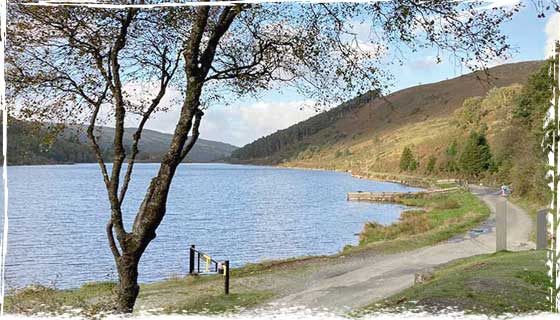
(340,250)
(279,271)
(410,181)
(287,260)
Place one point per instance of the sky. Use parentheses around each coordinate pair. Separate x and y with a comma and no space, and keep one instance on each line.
(246,120)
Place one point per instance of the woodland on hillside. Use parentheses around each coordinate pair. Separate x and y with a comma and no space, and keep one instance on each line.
(36,143)
(278,141)
(499,139)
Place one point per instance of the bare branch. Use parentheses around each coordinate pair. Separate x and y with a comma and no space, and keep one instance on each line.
(111,239)
(166,77)
(194,135)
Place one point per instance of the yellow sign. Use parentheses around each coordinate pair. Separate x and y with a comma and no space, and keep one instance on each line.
(208,262)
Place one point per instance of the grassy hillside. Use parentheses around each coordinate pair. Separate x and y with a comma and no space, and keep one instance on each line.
(34,143)
(368,134)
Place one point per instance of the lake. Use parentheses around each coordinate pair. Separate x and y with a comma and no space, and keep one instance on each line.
(242,213)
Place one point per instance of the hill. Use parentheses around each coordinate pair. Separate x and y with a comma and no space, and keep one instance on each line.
(32,143)
(368,134)
(154,143)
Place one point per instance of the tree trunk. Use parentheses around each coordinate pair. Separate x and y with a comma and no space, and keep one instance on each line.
(127,289)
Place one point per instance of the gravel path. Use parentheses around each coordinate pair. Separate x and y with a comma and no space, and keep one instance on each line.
(357,281)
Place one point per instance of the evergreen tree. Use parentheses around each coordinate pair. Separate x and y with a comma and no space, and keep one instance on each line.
(476,156)
(407,163)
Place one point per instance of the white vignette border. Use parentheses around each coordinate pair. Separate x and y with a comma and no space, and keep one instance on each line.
(281,313)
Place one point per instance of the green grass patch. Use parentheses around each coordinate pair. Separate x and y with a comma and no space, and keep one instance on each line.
(444,216)
(493,284)
(446,185)
(219,303)
(89,299)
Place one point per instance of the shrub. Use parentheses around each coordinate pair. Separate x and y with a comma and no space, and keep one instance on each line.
(410,222)
(431,166)
(414,222)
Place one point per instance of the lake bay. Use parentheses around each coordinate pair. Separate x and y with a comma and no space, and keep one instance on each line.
(242,213)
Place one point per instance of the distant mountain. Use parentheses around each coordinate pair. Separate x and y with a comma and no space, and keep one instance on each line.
(154,143)
(369,132)
(31,143)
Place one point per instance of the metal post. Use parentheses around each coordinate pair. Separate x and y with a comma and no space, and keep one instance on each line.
(501,225)
(191,259)
(542,241)
(198,269)
(227,277)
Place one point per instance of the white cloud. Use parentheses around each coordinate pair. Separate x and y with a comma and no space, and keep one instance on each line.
(425,63)
(241,124)
(237,124)
(552,31)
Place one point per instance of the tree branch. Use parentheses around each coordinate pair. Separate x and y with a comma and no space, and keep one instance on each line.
(118,142)
(165,79)
(91,136)
(194,135)
(111,239)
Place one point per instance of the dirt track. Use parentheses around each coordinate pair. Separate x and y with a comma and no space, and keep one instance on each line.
(357,281)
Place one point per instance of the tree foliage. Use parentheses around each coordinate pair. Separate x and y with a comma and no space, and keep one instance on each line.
(476,157)
(407,162)
(431,165)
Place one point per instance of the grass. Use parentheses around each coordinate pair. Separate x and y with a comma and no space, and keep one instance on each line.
(499,283)
(444,216)
(192,294)
(446,185)
(203,294)
(219,304)
(90,299)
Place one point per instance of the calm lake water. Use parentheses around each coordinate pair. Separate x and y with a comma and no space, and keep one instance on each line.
(245,213)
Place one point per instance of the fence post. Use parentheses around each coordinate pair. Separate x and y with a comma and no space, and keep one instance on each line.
(198,263)
(191,259)
(501,225)
(226,277)
(542,241)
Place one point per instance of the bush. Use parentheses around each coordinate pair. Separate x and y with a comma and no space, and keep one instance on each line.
(410,222)
(414,222)
(431,166)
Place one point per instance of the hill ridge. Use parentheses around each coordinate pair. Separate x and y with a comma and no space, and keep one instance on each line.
(378,115)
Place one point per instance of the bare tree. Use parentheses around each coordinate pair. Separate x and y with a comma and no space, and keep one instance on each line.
(75,63)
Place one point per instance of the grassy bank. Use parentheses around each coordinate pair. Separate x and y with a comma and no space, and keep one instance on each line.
(503,282)
(438,218)
(251,285)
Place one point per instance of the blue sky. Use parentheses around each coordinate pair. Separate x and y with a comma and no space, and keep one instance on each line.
(246,120)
